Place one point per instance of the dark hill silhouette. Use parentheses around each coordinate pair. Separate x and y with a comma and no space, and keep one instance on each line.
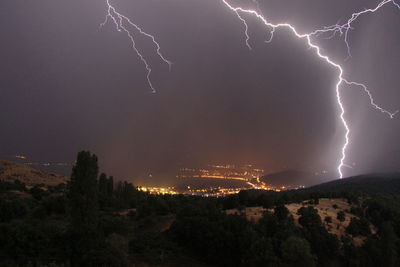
(292,179)
(369,183)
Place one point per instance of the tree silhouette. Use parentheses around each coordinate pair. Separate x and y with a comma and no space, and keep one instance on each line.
(83,193)
(341,216)
(296,251)
(83,210)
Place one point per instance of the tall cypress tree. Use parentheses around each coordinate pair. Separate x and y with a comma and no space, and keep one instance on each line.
(103,184)
(110,186)
(83,192)
(83,209)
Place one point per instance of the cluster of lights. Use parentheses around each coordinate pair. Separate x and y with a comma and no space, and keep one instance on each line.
(247,173)
(209,192)
(158,190)
(227,172)
(213,191)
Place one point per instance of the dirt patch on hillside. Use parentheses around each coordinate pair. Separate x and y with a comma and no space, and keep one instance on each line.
(326,208)
(253,214)
(11,171)
(330,208)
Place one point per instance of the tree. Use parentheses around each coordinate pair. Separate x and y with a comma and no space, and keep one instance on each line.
(268,225)
(83,193)
(358,227)
(309,217)
(260,253)
(243,197)
(106,185)
(37,192)
(281,212)
(323,244)
(328,219)
(103,184)
(83,209)
(388,240)
(296,252)
(110,186)
(341,216)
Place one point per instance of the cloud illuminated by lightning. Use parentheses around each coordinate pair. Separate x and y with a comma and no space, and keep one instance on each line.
(342,29)
(119,21)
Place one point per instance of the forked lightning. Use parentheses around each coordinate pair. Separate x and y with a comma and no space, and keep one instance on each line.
(118,19)
(122,22)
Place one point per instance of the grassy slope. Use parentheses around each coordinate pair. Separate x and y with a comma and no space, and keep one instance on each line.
(11,171)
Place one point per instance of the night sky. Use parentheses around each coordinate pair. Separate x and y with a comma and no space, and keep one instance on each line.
(65,86)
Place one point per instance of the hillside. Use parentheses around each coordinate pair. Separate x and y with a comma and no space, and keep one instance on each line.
(325,208)
(11,171)
(123,226)
(366,184)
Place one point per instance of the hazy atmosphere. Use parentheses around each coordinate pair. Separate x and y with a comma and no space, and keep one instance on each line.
(238,133)
(67,85)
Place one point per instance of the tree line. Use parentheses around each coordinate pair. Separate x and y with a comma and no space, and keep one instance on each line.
(95,221)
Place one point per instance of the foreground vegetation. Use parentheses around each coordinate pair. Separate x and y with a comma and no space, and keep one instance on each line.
(92,221)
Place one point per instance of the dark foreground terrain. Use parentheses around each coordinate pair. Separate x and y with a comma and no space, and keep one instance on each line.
(92,221)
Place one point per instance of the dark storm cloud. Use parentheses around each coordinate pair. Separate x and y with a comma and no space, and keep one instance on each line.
(66,86)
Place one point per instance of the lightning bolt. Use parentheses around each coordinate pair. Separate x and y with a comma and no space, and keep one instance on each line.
(246,31)
(343,29)
(119,21)
(372,101)
(122,23)
(255,2)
